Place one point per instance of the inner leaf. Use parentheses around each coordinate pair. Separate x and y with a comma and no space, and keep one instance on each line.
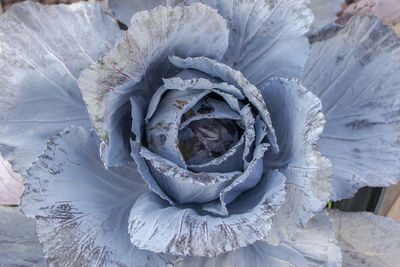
(206,139)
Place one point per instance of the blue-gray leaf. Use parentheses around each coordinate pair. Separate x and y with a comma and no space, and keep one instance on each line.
(355,72)
(43,50)
(82,209)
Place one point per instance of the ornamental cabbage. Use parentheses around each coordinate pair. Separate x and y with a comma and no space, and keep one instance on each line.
(209,133)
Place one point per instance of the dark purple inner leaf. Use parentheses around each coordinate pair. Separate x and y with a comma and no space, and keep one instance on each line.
(206,139)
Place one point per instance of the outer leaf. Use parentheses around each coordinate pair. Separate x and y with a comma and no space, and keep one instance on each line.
(19,245)
(124,9)
(298,120)
(325,11)
(82,209)
(11,184)
(355,73)
(366,239)
(292,108)
(43,50)
(315,245)
(159,227)
(263,34)
(140,62)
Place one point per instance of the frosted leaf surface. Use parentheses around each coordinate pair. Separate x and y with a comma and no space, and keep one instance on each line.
(354,71)
(43,50)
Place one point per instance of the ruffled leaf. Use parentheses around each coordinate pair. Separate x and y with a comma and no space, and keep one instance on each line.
(183,185)
(144,171)
(188,79)
(43,50)
(298,121)
(205,82)
(82,209)
(140,62)
(355,73)
(293,110)
(11,184)
(249,132)
(19,245)
(315,246)
(261,130)
(246,181)
(263,34)
(250,177)
(155,225)
(366,239)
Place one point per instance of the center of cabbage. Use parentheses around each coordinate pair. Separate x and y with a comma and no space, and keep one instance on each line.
(206,139)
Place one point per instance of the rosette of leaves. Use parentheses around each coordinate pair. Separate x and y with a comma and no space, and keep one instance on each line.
(192,138)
